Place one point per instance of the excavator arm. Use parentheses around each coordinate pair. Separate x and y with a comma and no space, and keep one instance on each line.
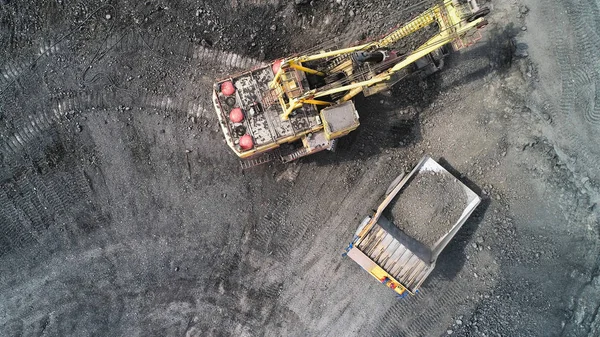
(457,24)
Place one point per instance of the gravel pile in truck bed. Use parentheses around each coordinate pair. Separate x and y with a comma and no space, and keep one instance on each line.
(427,206)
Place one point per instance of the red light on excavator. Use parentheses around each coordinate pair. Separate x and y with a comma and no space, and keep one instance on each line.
(236,115)
(227,88)
(246,142)
(276,66)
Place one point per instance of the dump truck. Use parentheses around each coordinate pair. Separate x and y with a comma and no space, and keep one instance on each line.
(302,104)
(420,213)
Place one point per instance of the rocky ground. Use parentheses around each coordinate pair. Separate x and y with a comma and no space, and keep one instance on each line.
(124,213)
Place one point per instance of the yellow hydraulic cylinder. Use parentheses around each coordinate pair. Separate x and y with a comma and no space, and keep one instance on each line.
(305,69)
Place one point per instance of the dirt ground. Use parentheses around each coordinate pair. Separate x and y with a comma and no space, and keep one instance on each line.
(123,212)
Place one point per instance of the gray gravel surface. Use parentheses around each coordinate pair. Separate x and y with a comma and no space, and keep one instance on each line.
(124,213)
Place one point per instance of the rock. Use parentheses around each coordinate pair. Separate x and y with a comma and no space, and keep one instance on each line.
(524,28)
(449,332)
(523,9)
(108,16)
(351,13)
(458,322)
(205,43)
(273,28)
(521,50)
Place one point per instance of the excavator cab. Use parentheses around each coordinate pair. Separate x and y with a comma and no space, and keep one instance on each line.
(339,120)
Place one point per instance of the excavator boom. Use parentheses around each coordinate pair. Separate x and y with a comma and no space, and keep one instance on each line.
(453,21)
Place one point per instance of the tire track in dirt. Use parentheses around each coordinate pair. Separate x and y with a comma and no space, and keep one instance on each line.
(262,235)
(297,214)
(21,19)
(196,108)
(576,45)
(13,69)
(14,16)
(273,233)
(132,40)
(44,119)
(236,3)
(590,42)
(288,235)
(29,206)
(39,122)
(291,217)
(230,307)
(53,208)
(420,315)
(21,216)
(579,62)
(592,116)
(13,234)
(59,305)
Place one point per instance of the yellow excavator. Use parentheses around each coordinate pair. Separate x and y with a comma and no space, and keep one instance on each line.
(306,100)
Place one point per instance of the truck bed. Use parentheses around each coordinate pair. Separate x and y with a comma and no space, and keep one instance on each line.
(397,253)
(388,251)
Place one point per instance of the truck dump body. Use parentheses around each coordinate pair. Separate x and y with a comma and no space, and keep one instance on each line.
(403,254)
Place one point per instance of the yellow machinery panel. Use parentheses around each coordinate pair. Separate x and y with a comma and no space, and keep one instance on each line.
(339,120)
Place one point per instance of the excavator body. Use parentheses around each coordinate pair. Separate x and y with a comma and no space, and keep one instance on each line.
(300,105)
